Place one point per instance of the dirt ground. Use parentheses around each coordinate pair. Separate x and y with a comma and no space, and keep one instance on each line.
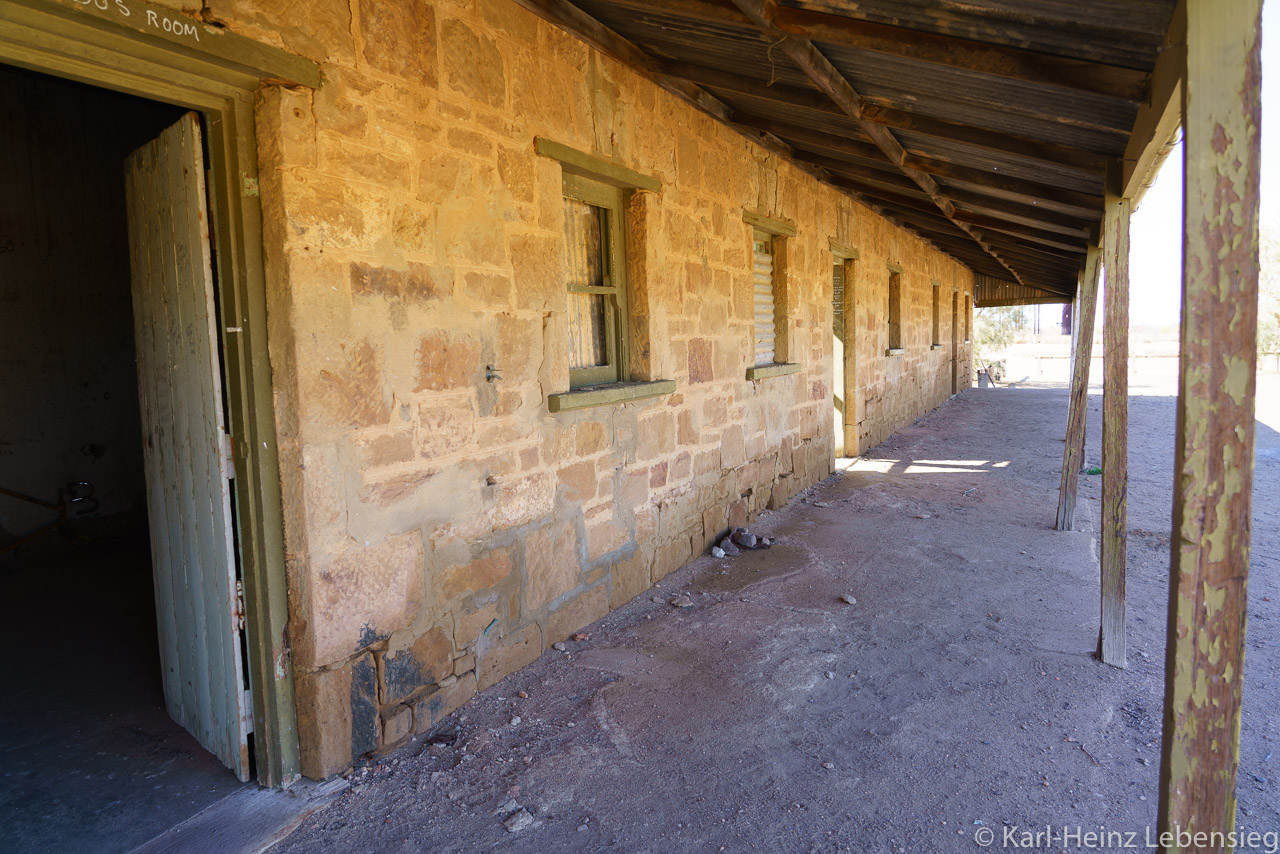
(959,694)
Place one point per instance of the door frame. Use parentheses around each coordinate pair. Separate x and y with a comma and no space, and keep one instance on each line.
(849,257)
(126,46)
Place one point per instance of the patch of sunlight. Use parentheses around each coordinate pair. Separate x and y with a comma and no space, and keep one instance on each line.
(931,468)
(864,464)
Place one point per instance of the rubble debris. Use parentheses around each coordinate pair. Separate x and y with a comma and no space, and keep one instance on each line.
(848,599)
(580,636)
(726,545)
(681,601)
(559,646)
(518,821)
(717,552)
(744,538)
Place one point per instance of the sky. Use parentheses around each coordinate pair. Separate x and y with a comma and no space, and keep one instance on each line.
(1155,259)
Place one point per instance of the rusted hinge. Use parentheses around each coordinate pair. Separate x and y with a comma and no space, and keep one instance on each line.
(229,455)
(237,614)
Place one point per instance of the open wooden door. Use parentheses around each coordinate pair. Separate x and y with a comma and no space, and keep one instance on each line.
(185,445)
(838,356)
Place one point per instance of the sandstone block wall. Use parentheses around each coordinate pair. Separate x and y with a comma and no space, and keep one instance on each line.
(442,529)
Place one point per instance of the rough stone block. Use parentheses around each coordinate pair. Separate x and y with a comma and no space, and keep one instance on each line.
(701,366)
(366,722)
(630,578)
(429,659)
(732,447)
(324,721)
(583,610)
(352,394)
(551,564)
(397,725)
(358,596)
(436,705)
(473,64)
(385,449)
(605,536)
(671,557)
(580,481)
(469,579)
(469,624)
(507,656)
(448,360)
(400,38)
(464,664)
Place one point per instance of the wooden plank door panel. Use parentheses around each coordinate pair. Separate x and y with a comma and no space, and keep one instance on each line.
(188,493)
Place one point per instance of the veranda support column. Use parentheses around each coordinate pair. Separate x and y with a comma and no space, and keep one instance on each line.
(1073,452)
(1213,475)
(1115,423)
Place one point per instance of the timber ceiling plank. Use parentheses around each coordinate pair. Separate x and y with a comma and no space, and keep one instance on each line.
(985,124)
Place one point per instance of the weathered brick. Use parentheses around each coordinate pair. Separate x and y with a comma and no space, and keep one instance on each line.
(400,38)
(473,64)
(630,578)
(448,360)
(397,725)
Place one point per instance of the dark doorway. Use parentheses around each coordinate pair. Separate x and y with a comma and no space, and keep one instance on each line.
(92,760)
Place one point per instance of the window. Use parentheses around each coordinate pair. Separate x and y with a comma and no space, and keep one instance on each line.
(937,315)
(766,325)
(968,315)
(595,278)
(895,312)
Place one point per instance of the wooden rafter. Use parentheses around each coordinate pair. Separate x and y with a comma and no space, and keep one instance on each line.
(827,78)
(977,57)
(1060,156)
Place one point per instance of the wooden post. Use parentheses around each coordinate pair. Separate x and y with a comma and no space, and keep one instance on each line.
(1213,474)
(1073,453)
(1115,422)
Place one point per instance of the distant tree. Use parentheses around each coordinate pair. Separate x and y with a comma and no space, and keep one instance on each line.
(996,329)
(1269,293)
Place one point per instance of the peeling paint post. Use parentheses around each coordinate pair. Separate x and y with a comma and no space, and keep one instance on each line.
(1115,421)
(1073,452)
(1213,475)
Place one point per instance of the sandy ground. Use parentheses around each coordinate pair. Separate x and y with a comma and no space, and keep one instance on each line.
(958,695)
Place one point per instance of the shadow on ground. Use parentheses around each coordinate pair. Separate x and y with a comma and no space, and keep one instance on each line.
(958,694)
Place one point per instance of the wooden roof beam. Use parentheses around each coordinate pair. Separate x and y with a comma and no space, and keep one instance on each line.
(966,54)
(828,79)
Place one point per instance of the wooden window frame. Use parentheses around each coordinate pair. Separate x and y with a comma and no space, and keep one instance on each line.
(936,343)
(893,322)
(612,203)
(779,233)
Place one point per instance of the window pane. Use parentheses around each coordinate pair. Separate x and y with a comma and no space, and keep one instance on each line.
(762,255)
(587,331)
(584,244)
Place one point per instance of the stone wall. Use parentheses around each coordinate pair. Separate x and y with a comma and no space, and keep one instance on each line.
(442,530)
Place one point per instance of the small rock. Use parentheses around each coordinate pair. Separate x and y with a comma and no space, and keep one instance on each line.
(657,599)
(830,766)
(523,695)
(829,675)
(848,599)
(729,548)
(581,636)
(581,828)
(717,552)
(745,538)
(681,601)
(822,504)
(517,720)
(922,515)
(517,821)
(559,646)
(507,807)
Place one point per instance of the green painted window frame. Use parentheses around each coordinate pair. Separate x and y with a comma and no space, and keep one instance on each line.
(612,203)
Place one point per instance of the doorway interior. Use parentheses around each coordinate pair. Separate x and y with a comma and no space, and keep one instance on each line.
(93,759)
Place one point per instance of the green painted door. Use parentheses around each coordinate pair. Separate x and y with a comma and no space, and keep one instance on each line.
(185,446)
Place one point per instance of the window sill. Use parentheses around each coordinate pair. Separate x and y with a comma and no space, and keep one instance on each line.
(778,369)
(895,351)
(604,395)
(935,347)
